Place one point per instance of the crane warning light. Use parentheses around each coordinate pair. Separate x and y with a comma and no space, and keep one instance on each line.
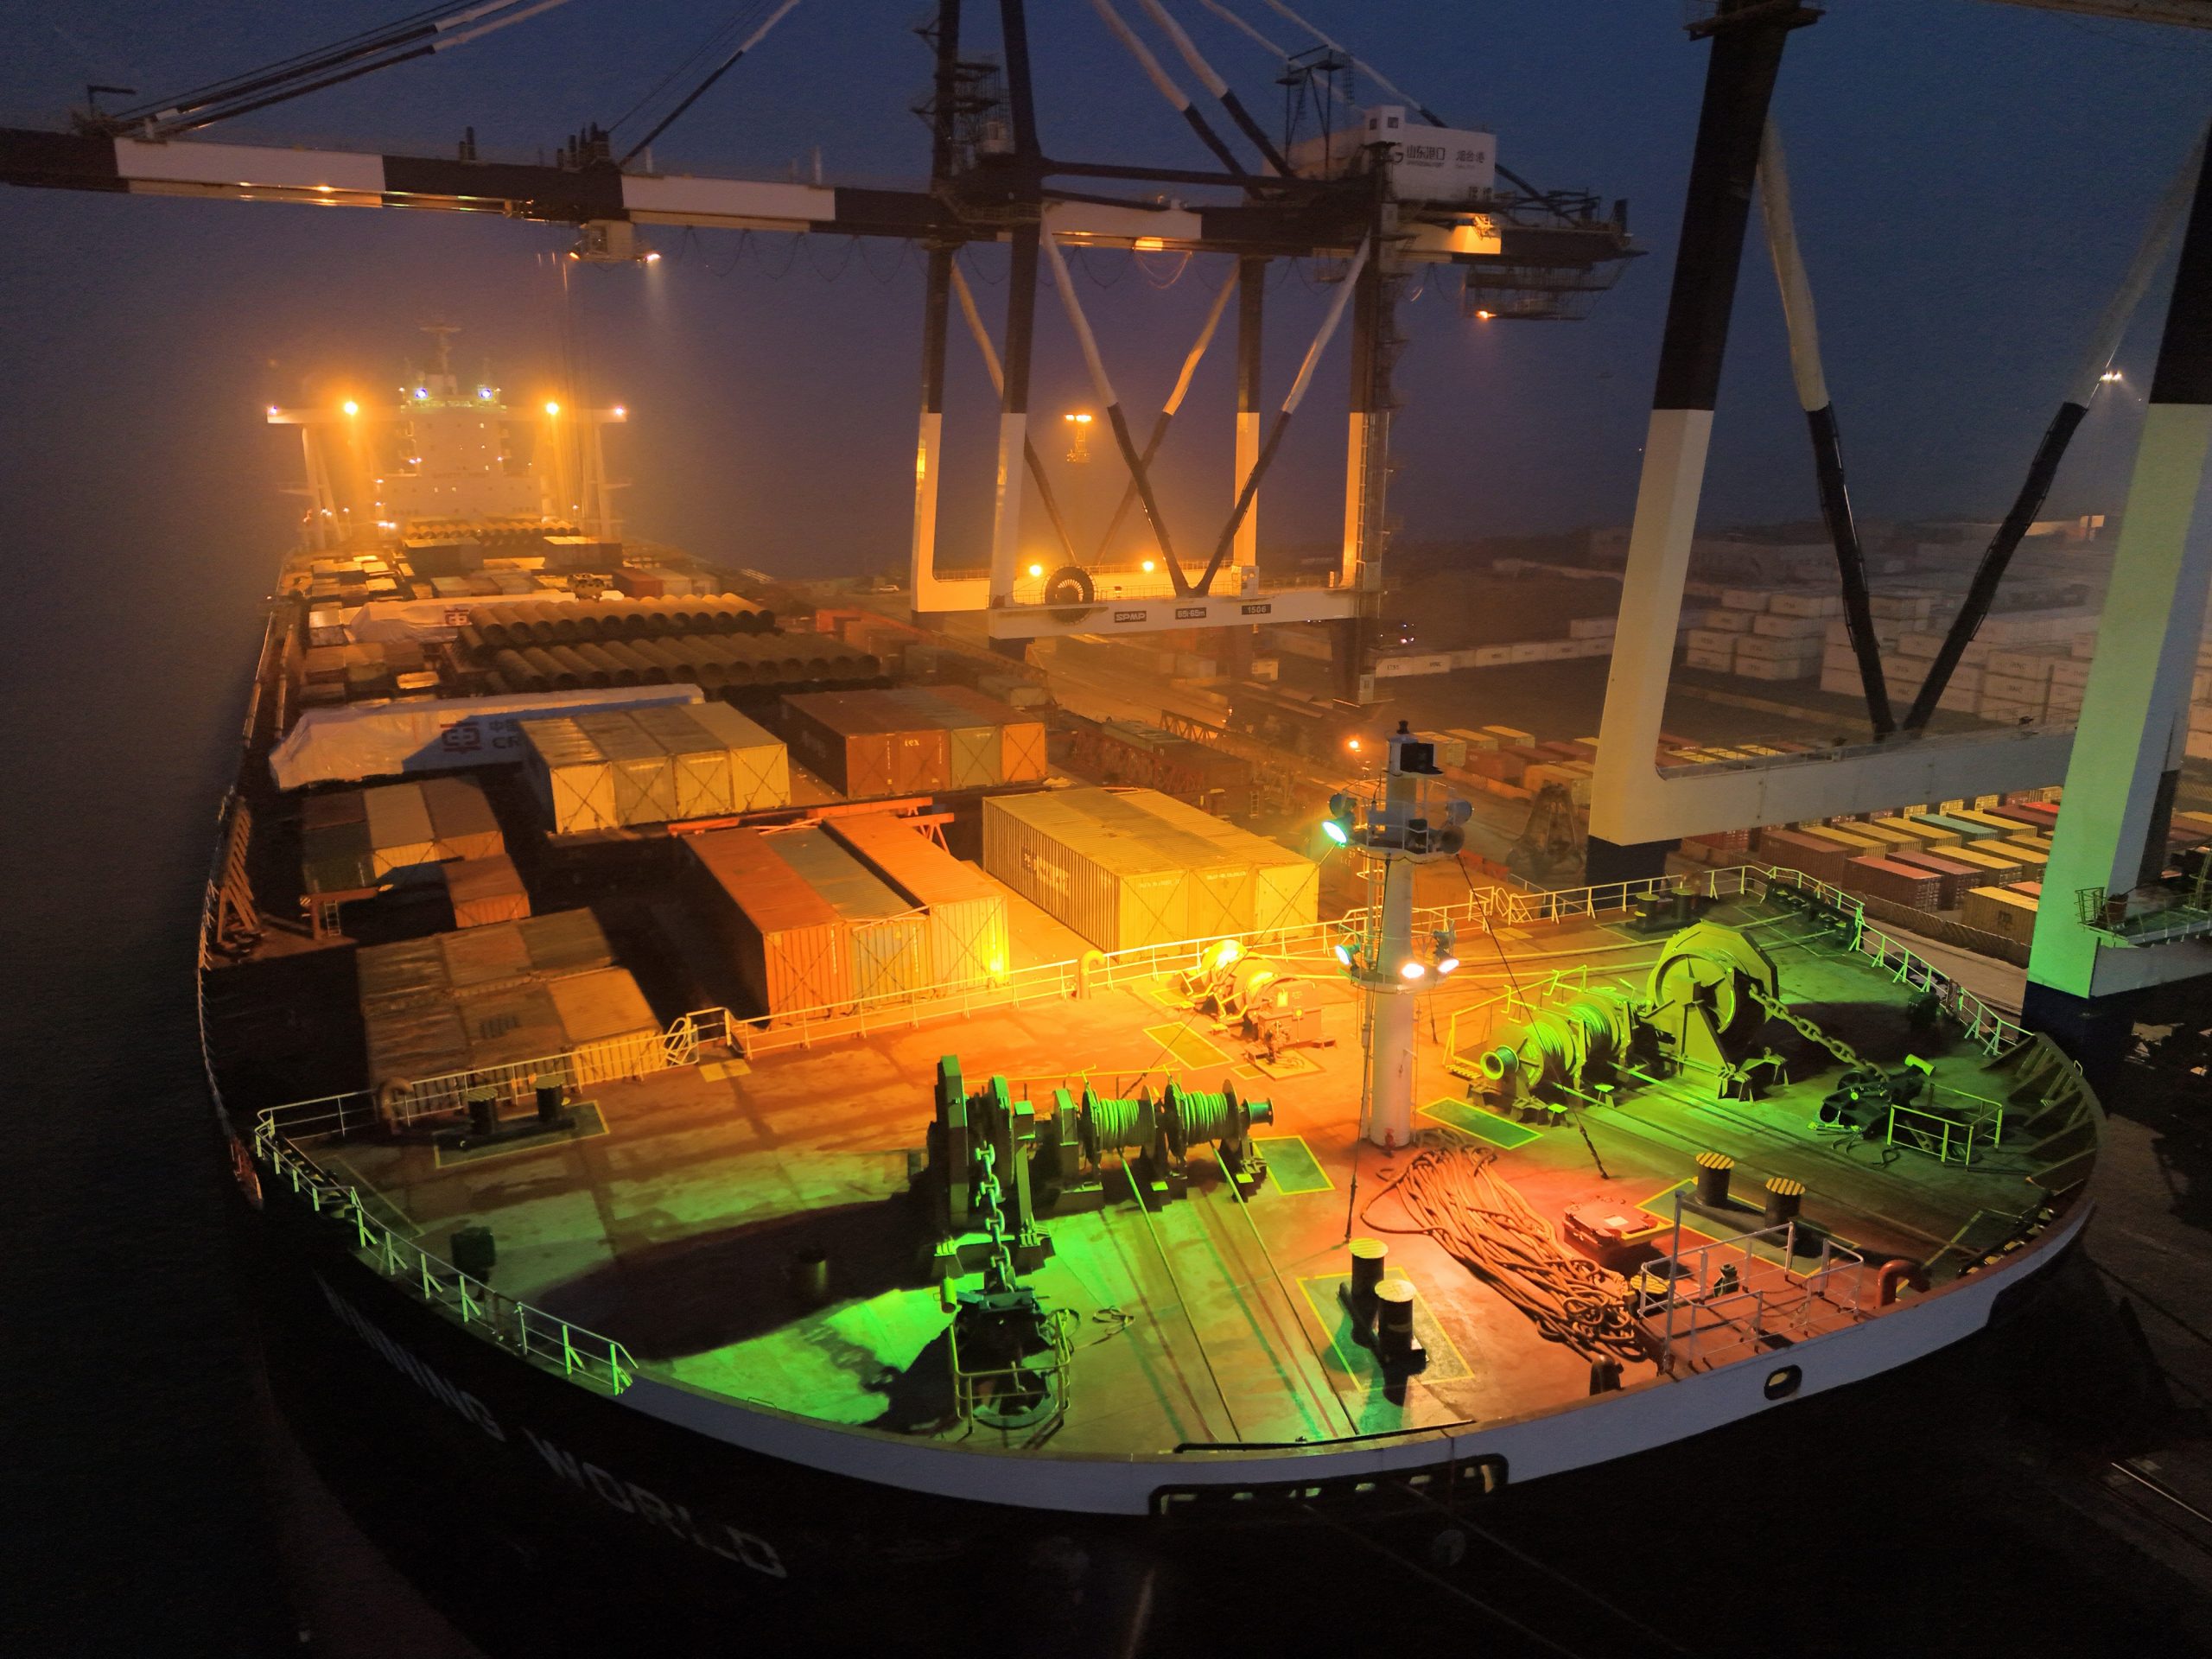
(1036,569)
(1149,565)
(351,407)
(552,409)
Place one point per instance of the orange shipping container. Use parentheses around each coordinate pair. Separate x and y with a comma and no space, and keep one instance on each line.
(786,941)
(866,746)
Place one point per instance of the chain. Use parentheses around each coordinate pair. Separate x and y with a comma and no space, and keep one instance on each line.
(1805,1028)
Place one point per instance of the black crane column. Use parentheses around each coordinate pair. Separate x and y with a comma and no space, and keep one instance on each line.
(936,299)
(1020,313)
(1375,345)
(1251,305)
(1748,36)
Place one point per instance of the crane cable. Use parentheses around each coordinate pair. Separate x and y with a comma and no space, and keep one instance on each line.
(700,91)
(1457,1197)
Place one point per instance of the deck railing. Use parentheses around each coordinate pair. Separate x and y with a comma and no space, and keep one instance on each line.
(582,1355)
(1711,1288)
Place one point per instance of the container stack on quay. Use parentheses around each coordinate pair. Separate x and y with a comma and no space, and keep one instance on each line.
(352,839)
(505,994)
(655,764)
(1127,869)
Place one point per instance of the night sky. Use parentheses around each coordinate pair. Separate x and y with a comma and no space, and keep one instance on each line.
(1971,178)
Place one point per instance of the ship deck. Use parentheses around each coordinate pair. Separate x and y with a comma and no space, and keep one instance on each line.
(670,1217)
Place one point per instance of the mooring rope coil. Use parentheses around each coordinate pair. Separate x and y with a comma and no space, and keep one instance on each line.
(1457,1197)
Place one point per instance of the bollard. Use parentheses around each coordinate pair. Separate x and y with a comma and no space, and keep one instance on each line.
(1713,1171)
(1782,1198)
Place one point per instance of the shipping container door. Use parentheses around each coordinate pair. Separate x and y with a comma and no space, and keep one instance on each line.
(890,955)
(1022,751)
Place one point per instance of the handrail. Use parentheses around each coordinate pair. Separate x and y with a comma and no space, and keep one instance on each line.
(582,1355)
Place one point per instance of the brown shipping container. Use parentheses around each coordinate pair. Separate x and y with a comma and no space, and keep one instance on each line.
(1821,859)
(866,746)
(966,908)
(786,940)
(1956,877)
(1897,882)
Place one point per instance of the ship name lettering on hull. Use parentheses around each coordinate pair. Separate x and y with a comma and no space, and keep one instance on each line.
(729,1542)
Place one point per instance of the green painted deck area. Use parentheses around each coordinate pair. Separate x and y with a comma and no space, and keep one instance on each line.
(1483,1125)
(1198,1320)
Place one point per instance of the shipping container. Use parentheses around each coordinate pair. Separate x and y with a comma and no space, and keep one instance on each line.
(786,940)
(965,909)
(1895,881)
(866,746)
(1285,886)
(886,937)
(1022,735)
(1117,888)
(1822,860)
(486,890)
(606,1026)
(654,765)
(1994,910)
(1954,875)
(1998,867)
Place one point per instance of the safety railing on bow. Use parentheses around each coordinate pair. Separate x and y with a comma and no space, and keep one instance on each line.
(1735,1293)
(584,1356)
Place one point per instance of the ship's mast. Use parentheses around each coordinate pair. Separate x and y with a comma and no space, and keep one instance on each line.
(1411,821)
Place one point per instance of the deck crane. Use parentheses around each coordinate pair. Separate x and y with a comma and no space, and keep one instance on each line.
(1355,206)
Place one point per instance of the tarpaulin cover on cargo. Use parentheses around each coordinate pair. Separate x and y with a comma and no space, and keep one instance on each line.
(349,744)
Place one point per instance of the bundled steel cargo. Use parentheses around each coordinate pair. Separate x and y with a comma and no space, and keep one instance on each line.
(654,765)
(867,745)
(1117,874)
(965,909)
(786,940)
(1285,886)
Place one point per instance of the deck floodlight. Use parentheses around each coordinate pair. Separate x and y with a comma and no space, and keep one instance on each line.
(1343,815)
